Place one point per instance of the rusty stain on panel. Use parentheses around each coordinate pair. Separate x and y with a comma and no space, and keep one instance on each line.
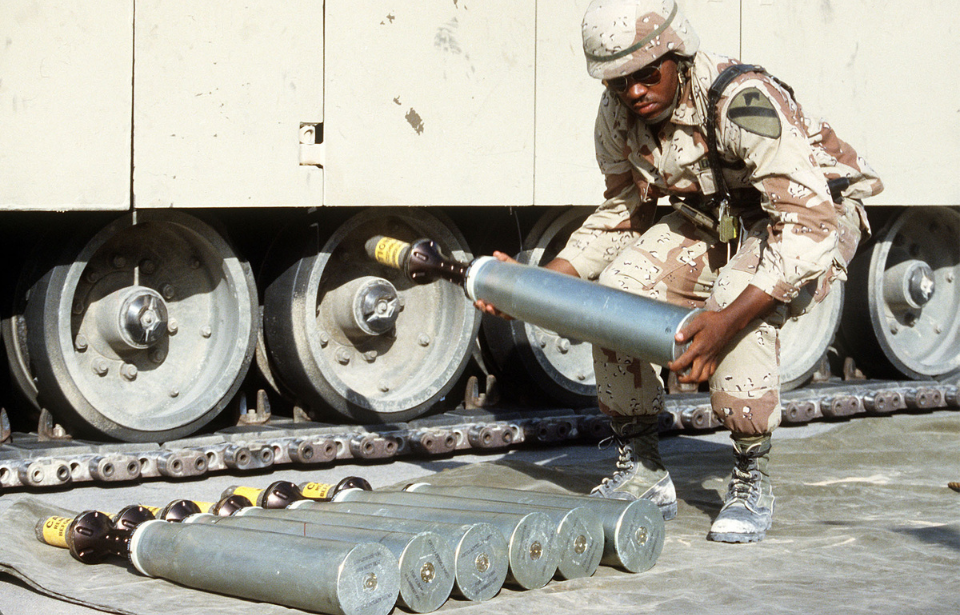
(415,120)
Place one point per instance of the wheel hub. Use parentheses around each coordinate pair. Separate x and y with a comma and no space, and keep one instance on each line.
(367,306)
(909,284)
(144,318)
(132,318)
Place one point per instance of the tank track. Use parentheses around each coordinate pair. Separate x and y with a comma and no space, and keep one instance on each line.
(261,440)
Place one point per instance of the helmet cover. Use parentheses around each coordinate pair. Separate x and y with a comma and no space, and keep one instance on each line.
(622,36)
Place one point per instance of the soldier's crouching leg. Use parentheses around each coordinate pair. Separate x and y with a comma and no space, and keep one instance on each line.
(671,262)
(631,393)
(745,390)
(745,395)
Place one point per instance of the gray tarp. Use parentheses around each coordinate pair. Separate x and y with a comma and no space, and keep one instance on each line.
(865,523)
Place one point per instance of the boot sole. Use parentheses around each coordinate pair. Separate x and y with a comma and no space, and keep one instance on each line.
(736,538)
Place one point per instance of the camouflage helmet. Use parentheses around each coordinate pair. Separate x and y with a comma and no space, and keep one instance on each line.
(622,36)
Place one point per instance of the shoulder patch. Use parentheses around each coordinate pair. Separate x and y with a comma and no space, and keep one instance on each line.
(753,111)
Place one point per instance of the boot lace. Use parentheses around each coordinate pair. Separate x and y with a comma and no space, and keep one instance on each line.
(745,484)
(626,463)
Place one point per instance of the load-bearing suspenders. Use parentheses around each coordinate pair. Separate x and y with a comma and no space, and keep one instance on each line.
(727,224)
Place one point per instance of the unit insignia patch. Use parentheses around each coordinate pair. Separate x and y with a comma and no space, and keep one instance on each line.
(753,111)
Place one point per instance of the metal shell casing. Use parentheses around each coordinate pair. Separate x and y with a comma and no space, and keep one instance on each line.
(634,530)
(579,535)
(343,578)
(480,550)
(425,558)
(531,537)
(607,317)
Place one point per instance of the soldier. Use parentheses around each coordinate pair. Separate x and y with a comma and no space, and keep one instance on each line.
(767,215)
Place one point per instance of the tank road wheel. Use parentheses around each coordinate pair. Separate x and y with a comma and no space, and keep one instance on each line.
(347,335)
(14,328)
(805,339)
(904,297)
(560,366)
(142,332)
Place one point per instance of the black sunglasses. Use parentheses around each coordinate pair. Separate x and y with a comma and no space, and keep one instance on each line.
(647,76)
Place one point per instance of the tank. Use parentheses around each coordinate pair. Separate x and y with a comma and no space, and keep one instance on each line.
(185,193)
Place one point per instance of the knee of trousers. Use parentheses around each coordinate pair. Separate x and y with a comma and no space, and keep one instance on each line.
(745,390)
(626,386)
(749,413)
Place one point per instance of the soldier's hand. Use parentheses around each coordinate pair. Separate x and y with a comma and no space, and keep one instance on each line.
(489,308)
(708,334)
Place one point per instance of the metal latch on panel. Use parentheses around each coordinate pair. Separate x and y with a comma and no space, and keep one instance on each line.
(312,151)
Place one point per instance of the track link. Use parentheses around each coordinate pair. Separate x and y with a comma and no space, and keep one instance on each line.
(258,442)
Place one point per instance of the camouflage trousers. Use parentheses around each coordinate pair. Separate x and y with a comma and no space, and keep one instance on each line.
(676,262)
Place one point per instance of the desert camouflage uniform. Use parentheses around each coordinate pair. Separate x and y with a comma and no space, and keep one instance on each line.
(794,242)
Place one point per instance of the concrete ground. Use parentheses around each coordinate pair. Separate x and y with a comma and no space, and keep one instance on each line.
(865,523)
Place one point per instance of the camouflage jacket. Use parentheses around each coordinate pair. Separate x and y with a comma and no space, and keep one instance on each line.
(765,142)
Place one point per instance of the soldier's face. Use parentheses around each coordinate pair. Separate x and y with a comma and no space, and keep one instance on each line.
(646,96)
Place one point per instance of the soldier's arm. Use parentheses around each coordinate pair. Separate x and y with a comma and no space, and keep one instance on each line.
(764,127)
